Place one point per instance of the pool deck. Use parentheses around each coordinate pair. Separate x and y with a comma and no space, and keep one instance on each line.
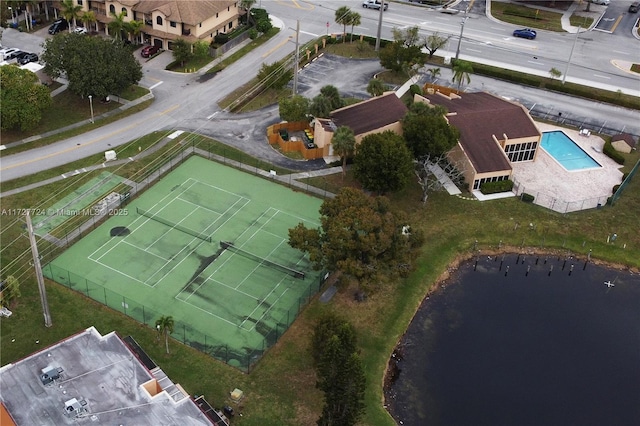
(564,191)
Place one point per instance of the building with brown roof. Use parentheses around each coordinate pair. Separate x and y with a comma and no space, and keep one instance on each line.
(167,20)
(375,115)
(494,133)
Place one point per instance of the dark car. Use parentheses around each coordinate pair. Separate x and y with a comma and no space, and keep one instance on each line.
(149,51)
(635,6)
(17,54)
(525,33)
(29,57)
(57,26)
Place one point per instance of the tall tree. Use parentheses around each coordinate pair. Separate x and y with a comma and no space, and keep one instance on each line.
(164,326)
(22,97)
(247,5)
(375,87)
(274,75)
(360,236)
(339,371)
(434,42)
(354,19)
(462,71)
(434,73)
(427,132)
(333,95)
(89,18)
(320,107)
(70,12)
(181,51)
(11,290)
(344,142)
(294,108)
(342,18)
(405,53)
(117,25)
(134,28)
(93,65)
(383,162)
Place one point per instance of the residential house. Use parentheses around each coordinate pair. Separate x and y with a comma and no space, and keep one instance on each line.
(168,20)
(375,115)
(494,133)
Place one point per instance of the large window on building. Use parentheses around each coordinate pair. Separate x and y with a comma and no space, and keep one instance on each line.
(112,9)
(159,20)
(478,182)
(124,11)
(521,151)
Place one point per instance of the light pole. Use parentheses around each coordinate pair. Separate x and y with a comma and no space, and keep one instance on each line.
(13,18)
(91,105)
(564,77)
(460,39)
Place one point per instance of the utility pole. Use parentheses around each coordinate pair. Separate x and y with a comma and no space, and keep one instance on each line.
(297,60)
(377,49)
(564,77)
(461,30)
(38,268)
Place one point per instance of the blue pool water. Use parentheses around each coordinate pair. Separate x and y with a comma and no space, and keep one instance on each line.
(566,152)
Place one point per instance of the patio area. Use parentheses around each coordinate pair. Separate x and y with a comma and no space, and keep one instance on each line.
(560,190)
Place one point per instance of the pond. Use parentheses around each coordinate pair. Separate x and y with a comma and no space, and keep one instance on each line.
(522,340)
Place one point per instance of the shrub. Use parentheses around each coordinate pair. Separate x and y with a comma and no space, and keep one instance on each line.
(615,188)
(415,89)
(221,38)
(253,33)
(263,25)
(611,152)
(527,198)
(496,187)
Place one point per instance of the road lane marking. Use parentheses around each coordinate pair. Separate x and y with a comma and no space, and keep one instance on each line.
(155,85)
(72,148)
(277,47)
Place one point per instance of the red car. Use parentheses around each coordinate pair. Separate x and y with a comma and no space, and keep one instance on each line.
(149,51)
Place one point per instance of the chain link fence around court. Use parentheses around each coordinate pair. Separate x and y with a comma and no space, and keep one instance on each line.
(625,183)
(182,331)
(556,204)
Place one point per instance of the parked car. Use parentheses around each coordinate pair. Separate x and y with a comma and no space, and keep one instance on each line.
(7,51)
(80,30)
(374,4)
(149,51)
(603,2)
(525,33)
(17,54)
(635,6)
(57,26)
(29,57)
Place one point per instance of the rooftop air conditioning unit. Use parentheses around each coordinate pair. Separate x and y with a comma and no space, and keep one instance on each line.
(49,374)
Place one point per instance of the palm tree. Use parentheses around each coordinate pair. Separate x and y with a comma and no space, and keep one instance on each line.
(89,18)
(247,5)
(134,28)
(375,87)
(343,142)
(117,25)
(461,72)
(70,12)
(434,73)
(342,18)
(354,19)
(165,327)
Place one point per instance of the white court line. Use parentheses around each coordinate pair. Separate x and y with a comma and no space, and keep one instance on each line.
(152,254)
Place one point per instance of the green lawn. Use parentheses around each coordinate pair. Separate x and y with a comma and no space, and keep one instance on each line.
(280,391)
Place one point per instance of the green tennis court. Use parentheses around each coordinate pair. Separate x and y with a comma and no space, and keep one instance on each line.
(207,244)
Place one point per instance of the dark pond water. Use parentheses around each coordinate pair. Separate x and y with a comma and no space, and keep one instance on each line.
(523,348)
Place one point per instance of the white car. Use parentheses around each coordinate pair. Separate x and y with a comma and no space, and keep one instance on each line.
(374,4)
(80,30)
(7,51)
(603,2)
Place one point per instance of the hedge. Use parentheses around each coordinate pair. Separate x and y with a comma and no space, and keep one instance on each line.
(611,152)
(496,187)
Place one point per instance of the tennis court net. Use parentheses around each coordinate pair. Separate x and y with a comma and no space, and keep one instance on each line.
(229,246)
(181,228)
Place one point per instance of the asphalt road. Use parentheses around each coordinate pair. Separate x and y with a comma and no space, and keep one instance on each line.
(189,102)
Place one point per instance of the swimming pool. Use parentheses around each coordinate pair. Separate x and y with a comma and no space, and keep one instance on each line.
(566,152)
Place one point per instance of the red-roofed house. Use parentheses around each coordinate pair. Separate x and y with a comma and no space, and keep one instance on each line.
(494,133)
